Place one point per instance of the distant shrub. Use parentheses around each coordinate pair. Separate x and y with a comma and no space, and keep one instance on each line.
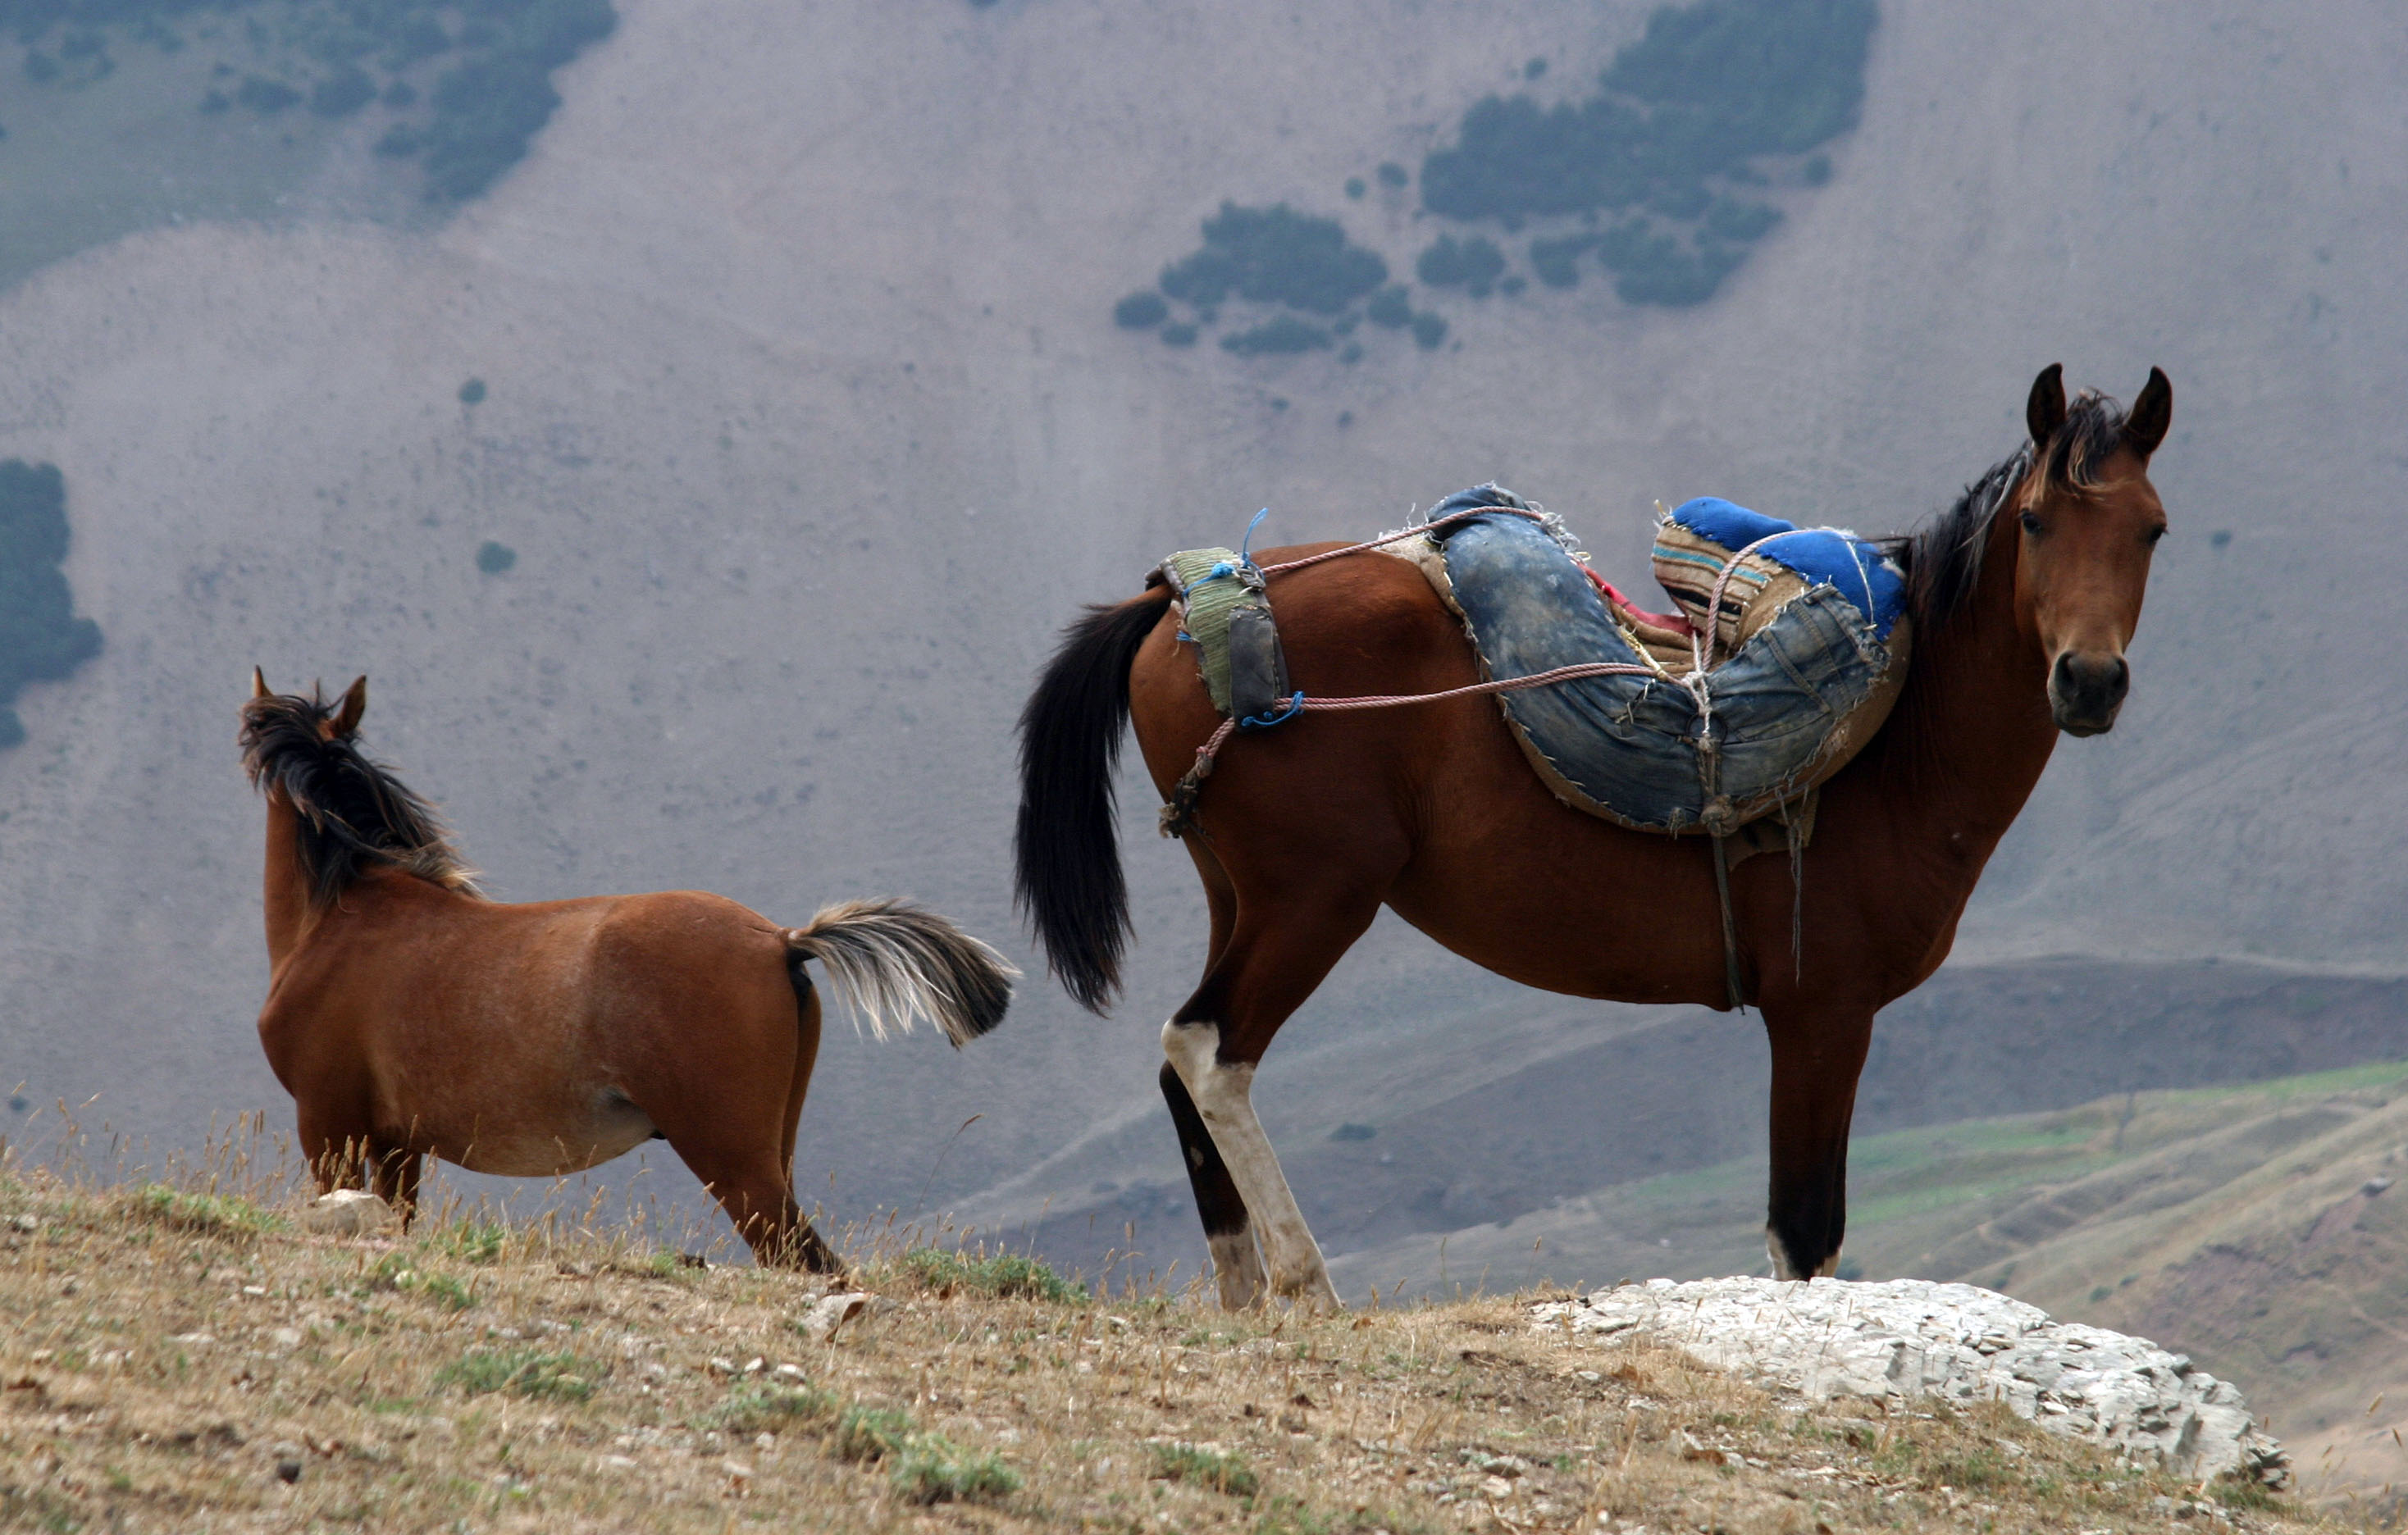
(473,392)
(266,96)
(40,637)
(1280,335)
(1393,175)
(342,94)
(1428,330)
(1141,310)
(1179,335)
(1472,265)
(1354,188)
(1352,1132)
(1556,260)
(1707,91)
(1392,307)
(1275,255)
(40,67)
(493,558)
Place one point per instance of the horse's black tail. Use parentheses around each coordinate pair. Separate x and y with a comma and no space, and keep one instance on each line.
(1066,860)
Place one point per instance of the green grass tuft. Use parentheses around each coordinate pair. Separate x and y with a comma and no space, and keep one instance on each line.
(204,1214)
(872,1433)
(1205,1468)
(1005,1275)
(933,1470)
(755,1407)
(525,1373)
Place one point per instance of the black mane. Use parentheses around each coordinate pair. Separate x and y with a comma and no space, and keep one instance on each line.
(355,815)
(1943,556)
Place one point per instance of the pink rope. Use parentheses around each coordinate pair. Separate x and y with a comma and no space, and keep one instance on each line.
(1394,538)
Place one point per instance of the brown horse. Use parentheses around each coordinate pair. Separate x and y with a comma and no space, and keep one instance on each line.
(411,1018)
(2023,597)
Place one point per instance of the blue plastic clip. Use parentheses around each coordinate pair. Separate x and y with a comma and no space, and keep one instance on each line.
(1246,544)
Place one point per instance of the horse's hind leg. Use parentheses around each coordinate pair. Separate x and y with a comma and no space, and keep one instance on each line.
(1816,1058)
(1237,1268)
(1277,954)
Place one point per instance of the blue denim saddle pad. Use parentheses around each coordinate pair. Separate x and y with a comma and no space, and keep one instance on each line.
(1789,706)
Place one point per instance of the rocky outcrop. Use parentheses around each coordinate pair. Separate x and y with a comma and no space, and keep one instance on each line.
(1912,1337)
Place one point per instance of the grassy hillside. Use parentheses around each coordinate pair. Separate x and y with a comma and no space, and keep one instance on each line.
(2255,1229)
(177,1359)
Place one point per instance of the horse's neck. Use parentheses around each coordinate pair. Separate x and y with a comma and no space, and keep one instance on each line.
(1973,730)
(286,888)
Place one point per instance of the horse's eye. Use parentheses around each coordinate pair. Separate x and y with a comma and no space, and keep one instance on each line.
(2031,524)
(2154,534)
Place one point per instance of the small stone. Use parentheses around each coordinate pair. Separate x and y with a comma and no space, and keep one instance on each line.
(2372,1188)
(831,1312)
(346,1213)
(616,1463)
(285,1338)
(720,1367)
(790,1372)
(25,1223)
(1496,1487)
(288,1471)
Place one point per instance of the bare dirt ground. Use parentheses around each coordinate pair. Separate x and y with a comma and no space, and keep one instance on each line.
(175,1358)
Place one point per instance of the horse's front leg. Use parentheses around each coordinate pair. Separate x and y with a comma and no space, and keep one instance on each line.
(1818,1053)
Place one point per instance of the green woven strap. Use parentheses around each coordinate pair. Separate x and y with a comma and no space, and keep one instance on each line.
(1208,603)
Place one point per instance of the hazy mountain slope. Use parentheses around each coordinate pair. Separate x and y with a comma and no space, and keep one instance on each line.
(809,425)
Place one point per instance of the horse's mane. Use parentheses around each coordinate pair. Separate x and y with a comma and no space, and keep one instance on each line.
(354,814)
(1943,556)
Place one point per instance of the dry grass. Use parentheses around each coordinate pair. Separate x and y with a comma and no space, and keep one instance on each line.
(182,1359)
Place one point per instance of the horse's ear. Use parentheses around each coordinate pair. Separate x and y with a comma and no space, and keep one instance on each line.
(258,684)
(347,715)
(2045,412)
(2152,413)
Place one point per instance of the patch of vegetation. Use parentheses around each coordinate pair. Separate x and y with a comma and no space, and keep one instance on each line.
(1275,255)
(486,64)
(1003,1276)
(755,1407)
(473,392)
(931,1469)
(40,637)
(872,1433)
(1213,1468)
(399,1275)
(473,1240)
(1280,335)
(493,558)
(1473,265)
(1714,96)
(525,1373)
(203,1214)
(1351,1131)
(1141,310)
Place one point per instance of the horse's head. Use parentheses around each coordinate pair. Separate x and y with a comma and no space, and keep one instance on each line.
(339,723)
(2086,522)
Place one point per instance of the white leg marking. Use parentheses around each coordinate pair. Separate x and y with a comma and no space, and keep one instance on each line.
(1237,1270)
(1224,1097)
(1779,1254)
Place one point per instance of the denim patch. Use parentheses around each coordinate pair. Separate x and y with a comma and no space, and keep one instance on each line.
(1627,748)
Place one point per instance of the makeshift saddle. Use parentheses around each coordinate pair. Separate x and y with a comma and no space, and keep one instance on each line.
(1784,654)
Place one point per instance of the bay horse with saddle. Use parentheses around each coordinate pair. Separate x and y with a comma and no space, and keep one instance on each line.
(1394,777)
(409,1016)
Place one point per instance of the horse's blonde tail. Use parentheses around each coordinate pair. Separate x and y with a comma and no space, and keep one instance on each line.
(894,963)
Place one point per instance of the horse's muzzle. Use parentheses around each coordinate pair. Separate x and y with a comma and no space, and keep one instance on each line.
(2086,688)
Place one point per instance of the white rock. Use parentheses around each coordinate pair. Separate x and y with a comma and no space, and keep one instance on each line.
(1830,1338)
(831,1312)
(348,1213)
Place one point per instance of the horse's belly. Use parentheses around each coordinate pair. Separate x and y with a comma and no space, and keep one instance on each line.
(613,1128)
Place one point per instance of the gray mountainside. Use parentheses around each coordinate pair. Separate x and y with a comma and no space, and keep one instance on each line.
(806,418)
